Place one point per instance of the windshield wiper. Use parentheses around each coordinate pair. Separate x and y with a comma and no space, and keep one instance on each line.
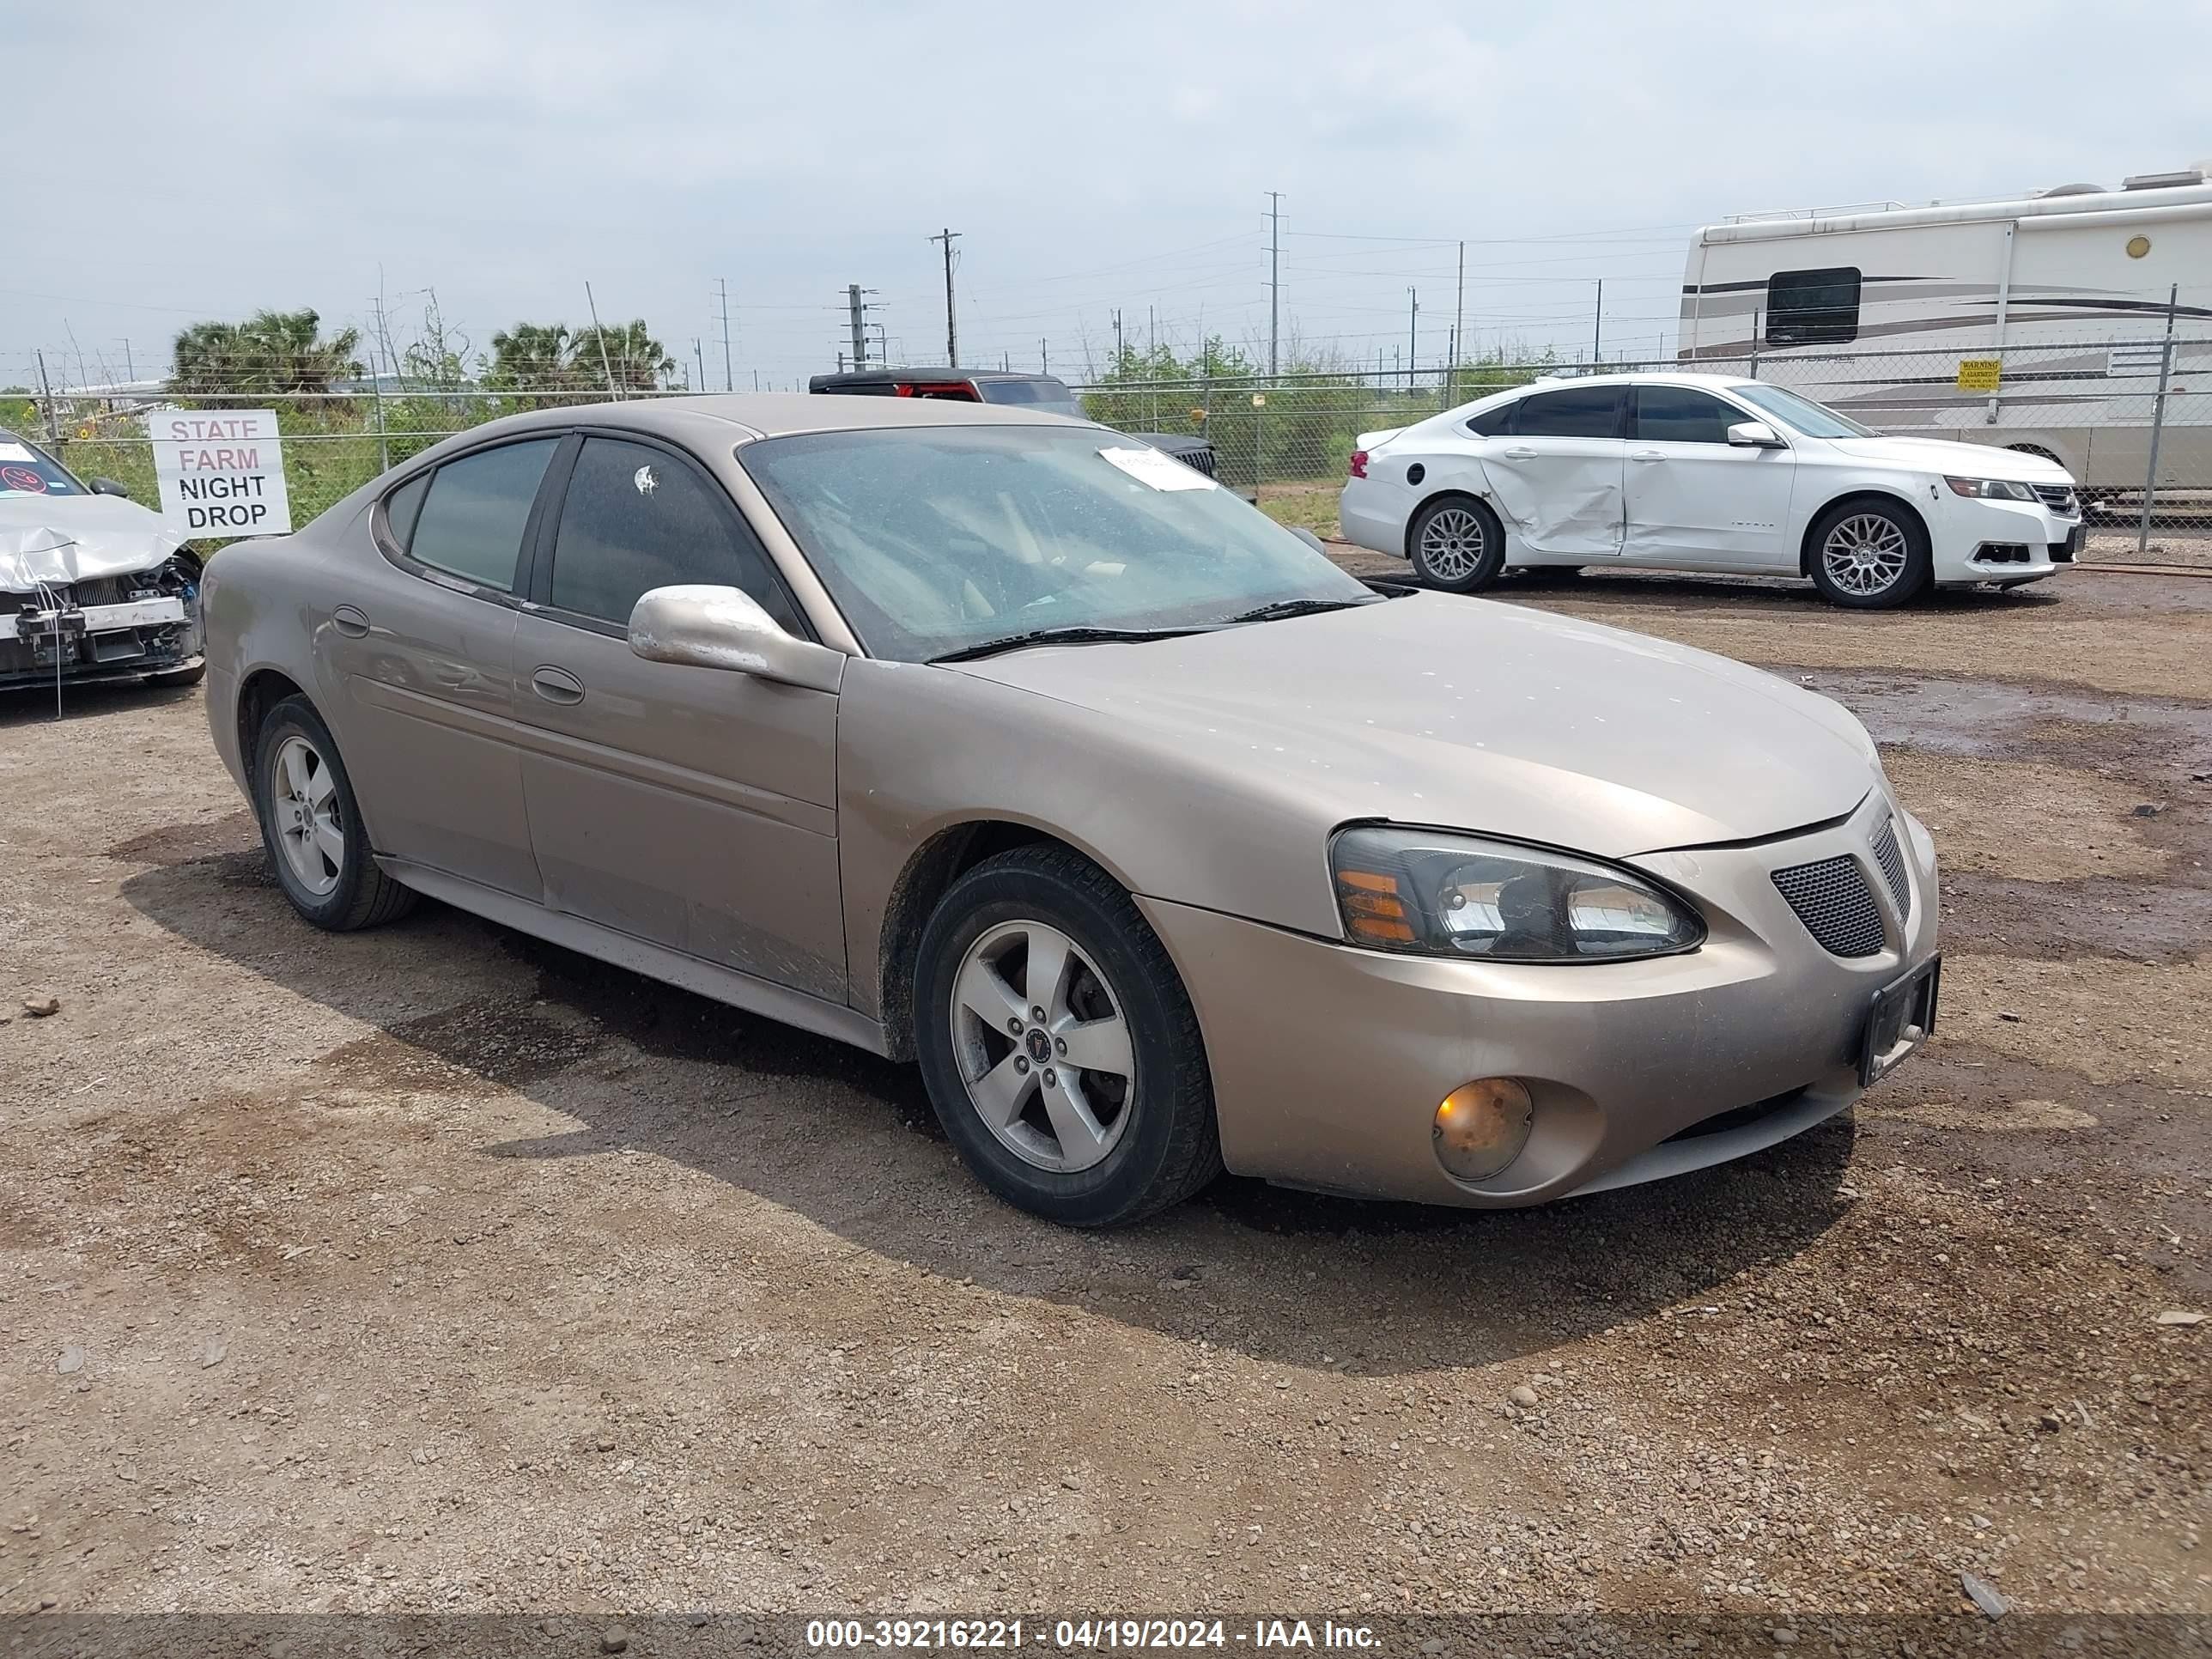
(1277,608)
(1072,633)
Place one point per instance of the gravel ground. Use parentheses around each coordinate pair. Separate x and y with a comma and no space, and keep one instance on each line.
(432,1268)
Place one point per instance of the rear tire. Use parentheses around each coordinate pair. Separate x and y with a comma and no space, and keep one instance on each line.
(1096,1145)
(1868,555)
(311,824)
(1456,544)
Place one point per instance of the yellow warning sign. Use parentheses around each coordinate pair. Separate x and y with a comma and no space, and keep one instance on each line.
(1980,374)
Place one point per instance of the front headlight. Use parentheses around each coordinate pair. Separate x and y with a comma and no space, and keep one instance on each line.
(1991,490)
(1425,893)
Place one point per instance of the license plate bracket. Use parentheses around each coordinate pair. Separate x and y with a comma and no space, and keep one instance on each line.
(1901,1020)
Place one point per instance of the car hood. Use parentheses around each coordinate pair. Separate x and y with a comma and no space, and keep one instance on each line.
(72,538)
(1478,715)
(1960,460)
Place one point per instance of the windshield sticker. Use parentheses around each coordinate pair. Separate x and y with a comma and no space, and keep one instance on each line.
(14,452)
(21,480)
(645,483)
(1161,472)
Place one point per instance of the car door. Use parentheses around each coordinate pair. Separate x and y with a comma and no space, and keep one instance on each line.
(691,807)
(418,647)
(1558,473)
(1695,499)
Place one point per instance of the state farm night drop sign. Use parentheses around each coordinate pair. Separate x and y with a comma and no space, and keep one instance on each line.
(221,472)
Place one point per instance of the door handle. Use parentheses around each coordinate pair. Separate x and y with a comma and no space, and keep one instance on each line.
(350,622)
(557,685)
(1520,454)
(1645,455)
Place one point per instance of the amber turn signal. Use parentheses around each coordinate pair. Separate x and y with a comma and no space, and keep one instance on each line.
(1374,908)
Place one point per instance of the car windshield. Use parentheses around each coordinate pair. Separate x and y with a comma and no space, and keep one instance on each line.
(933,539)
(1803,413)
(1051,396)
(26,470)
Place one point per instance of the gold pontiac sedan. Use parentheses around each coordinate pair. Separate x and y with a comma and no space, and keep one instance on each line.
(1003,743)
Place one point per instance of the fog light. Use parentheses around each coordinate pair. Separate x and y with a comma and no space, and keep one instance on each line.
(1482,1125)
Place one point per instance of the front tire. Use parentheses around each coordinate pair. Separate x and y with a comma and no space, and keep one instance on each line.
(1869,556)
(312,826)
(1456,544)
(1060,1049)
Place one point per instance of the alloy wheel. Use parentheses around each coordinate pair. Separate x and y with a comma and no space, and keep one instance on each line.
(1865,554)
(1043,1047)
(310,830)
(1453,542)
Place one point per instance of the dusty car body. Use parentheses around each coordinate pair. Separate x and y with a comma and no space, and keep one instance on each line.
(1400,895)
(93,587)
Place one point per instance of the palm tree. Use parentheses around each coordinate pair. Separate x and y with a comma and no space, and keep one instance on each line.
(633,360)
(269,352)
(531,356)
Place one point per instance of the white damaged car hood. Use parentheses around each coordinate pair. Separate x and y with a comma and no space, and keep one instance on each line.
(71,538)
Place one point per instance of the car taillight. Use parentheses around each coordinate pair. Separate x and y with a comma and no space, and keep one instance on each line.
(1359,463)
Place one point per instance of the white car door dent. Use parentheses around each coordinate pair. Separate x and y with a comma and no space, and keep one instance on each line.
(1562,494)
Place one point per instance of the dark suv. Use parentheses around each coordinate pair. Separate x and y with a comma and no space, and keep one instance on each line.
(991,385)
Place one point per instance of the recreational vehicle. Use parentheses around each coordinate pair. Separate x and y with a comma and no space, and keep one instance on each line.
(2043,323)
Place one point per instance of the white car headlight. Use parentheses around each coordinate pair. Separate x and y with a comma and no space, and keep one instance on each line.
(1991,490)
(1424,892)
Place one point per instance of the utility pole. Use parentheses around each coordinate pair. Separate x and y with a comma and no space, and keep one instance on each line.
(948,236)
(1117,339)
(699,351)
(728,384)
(129,369)
(1597,326)
(600,334)
(1275,274)
(858,313)
(1413,335)
(1044,356)
(53,429)
(1459,327)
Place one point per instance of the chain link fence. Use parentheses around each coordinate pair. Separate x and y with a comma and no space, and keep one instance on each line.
(2132,419)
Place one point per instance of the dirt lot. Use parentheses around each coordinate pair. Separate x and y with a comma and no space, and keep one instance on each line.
(433,1268)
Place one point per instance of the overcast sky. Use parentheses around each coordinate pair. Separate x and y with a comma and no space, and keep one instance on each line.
(177,162)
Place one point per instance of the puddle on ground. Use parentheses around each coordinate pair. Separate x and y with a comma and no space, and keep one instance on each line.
(1989,718)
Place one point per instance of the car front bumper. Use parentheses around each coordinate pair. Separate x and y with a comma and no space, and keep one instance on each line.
(1974,540)
(1329,1062)
(151,635)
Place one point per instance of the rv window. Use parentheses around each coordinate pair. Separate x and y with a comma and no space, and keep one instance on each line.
(1813,308)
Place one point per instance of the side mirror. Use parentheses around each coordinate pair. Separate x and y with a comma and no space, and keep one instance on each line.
(109,487)
(697,626)
(1309,539)
(1755,434)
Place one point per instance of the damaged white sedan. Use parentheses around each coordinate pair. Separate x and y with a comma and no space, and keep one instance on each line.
(93,587)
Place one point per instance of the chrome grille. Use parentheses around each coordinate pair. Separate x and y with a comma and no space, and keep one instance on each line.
(2059,498)
(1891,858)
(1831,898)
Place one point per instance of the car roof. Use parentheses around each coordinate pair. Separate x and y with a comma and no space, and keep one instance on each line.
(894,376)
(708,420)
(1635,377)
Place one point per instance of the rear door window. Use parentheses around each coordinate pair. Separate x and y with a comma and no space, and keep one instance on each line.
(471,521)
(636,517)
(1575,411)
